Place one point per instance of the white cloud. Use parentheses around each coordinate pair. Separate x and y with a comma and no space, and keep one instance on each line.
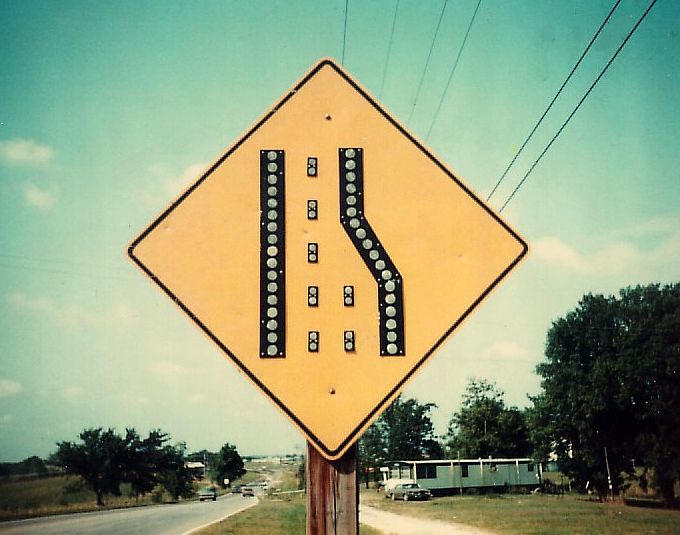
(120,314)
(24,152)
(196,399)
(506,350)
(39,304)
(9,388)
(72,392)
(661,224)
(641,259)
(70,315)
(153,196)
(134,399)
(39,197)
(176,185)
(552,250)
(167,369)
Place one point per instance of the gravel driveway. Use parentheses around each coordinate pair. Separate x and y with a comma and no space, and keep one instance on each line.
(393,524)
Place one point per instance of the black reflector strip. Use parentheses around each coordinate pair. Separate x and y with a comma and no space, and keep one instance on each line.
(349,341)
(365,241)
(312,166)
(313,341)
(272,255)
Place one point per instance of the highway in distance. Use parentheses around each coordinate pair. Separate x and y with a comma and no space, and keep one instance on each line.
(172,519)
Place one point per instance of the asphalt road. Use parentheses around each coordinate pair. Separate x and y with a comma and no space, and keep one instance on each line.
(174,519)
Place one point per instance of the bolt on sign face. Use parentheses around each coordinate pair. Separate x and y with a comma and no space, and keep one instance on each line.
(328,253)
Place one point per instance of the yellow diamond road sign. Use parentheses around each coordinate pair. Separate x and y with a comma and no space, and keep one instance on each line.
(328,253)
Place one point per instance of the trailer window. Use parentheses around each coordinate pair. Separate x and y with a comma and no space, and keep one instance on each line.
(426,471)
(530,467)
(464,470)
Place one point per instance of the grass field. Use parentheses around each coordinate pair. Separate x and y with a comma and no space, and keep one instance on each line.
(275,515)
(537,515)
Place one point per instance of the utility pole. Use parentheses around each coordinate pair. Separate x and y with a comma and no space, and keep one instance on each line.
(609,475)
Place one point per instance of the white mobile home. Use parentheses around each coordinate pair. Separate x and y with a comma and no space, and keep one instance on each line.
(445,476)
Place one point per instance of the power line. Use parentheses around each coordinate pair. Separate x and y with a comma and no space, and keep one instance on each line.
(427,62)
(344,34)
(559,91)
(583,98)
(389,50)
(98,275)
(453,70)
(70,266)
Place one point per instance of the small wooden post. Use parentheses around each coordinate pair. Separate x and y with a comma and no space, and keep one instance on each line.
(332,494)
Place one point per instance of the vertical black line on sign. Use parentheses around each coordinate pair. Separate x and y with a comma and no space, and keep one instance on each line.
(272,254)
(374,255)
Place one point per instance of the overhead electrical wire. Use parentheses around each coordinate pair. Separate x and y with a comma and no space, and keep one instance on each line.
(344,34)
(559,91)
(62,266)
(453,70)
(427,62)
(97,275)
(389,50)
(580,102)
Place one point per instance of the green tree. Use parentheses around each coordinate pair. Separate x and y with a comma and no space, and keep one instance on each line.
(372,450)
(143,460)
(403,431)
(229,464)
(484,426)
(610,380)
(99,459)
(173,473)
(105,459)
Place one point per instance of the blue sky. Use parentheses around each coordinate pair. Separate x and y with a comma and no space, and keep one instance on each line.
(109,110)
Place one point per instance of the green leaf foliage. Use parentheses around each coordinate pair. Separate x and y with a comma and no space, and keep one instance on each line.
(611,380)
(403,432)
(485,427)
(229,464)
(105,459)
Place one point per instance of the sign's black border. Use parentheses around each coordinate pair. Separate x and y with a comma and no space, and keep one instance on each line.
(330,453)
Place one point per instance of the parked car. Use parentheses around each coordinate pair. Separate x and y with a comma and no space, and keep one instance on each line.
(247,491)
(207,493)
(409,491)
(388,485)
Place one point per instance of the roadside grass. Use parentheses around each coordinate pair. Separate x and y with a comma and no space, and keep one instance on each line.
(536,515)
(22,497)
(274,515)
(27,498)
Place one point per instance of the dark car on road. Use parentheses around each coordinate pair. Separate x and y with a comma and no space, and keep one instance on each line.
(208,493)
(409,491)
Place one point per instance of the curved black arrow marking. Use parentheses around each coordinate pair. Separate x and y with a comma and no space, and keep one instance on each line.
(374,255)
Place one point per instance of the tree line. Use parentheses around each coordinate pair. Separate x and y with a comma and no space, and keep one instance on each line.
(105,460)
(608,412)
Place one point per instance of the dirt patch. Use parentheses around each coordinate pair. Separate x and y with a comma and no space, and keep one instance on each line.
(393,524)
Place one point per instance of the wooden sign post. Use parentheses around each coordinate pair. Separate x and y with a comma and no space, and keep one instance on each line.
(332,493)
